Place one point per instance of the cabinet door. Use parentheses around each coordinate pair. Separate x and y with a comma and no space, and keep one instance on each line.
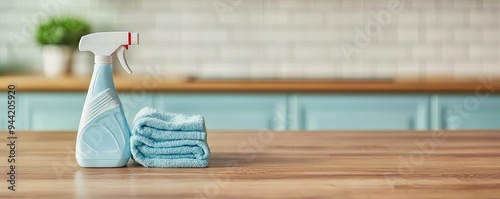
(469,112)
(3,103)
(361,112)
(133,102)
(230,111)
(51,111)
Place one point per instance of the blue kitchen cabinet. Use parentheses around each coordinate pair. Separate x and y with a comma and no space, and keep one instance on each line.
(360,112)
(3,102)
(62,111)
(132,102)
(468,112)
(50,111)
(230,111)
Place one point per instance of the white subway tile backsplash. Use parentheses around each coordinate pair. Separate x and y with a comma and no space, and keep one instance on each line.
(453,17)
(490,68)
(407,17)
(325,4)
(200,17)
(243,17)
(445,3)
(217,71)
(377,4)
(408,34)
(306,52)
(455,51)
(489,64)
(491,34)
(411,72)
(384,72)
(168,35)
(207,35)
(276,52)
(438,68)
(426,51)
(225,67)
(154,52)
(387,34)
(336,53)
(322,35)
(484,16)
(184,67)
(179,4)
(168,18)
(281,38)
(483,51)
(240,52)
(104,20)
(466,69)
(383,51)
(298,4)
(150,4)
(430,17)
(325,72)
(468,35)
(134,22)
(490,4)
(424,3)
(288,69)
(467,3)
(308,18)
(348,18)
(11,17)
(281,35)
(352,3)
(269,17)
(357,71)
(241,35)
(197,52)
(439,34)
(261,70)
(334,64)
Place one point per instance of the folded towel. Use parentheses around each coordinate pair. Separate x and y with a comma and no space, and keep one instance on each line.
(161,139)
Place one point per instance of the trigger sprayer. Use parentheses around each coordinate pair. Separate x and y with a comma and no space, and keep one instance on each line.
(103,133)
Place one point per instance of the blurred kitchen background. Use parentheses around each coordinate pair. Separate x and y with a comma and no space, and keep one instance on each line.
(275,38)
(247,40)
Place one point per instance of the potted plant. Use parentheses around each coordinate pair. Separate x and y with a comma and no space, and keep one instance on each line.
(59,36)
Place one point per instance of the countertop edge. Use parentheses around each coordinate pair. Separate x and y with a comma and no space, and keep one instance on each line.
(149,84)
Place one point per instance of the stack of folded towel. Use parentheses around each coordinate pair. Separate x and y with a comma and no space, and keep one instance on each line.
(161,139)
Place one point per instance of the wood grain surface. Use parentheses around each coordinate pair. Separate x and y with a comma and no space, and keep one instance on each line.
(265,164)
(165,84)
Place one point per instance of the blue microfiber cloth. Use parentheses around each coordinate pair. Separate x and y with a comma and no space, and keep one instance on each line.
(161,139)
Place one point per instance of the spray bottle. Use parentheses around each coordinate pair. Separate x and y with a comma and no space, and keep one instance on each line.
(103,133)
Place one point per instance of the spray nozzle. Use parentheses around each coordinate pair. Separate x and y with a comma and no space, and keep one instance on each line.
(104,44)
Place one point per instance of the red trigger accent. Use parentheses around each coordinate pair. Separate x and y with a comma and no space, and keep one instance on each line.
(129,38)
(126,47)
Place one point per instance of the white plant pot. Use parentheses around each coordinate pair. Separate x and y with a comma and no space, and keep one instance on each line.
(57,60)
(83,64)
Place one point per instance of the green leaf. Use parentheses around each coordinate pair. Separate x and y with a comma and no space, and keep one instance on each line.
(61,31)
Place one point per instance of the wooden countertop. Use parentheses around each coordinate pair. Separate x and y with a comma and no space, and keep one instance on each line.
(449,164)
(164,84)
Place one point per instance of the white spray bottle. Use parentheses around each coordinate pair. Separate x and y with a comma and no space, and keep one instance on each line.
(103,133)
